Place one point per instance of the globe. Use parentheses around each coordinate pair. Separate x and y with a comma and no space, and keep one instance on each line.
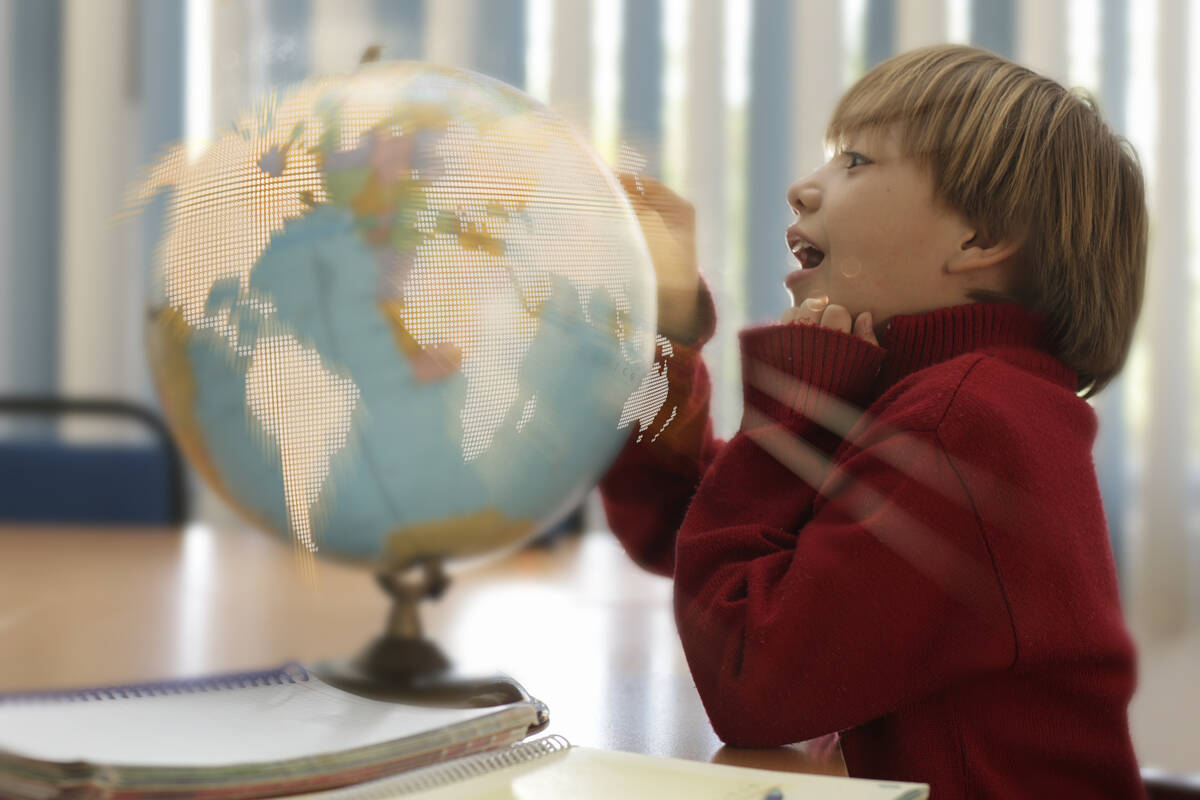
(401,314)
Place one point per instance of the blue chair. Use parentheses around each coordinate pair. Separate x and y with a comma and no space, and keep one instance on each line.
(46,479)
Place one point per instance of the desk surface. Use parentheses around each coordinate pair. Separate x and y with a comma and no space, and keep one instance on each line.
(577,623)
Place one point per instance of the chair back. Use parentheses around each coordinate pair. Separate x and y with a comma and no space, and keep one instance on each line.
(49,479)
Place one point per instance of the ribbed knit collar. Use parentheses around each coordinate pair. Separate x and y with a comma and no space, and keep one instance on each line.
(916,341)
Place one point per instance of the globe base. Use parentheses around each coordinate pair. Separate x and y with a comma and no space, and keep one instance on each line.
(404,666)
(396,670)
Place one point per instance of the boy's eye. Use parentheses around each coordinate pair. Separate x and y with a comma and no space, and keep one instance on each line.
(855,159)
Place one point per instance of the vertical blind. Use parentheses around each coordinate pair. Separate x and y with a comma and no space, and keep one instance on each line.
(725,100)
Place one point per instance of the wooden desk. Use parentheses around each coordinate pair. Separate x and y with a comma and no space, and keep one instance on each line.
(578,624)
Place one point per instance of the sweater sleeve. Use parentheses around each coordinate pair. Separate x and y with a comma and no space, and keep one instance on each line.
(811,595)
(647,489)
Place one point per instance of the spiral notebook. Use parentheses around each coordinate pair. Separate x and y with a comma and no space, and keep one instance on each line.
(552,769)
(243,735)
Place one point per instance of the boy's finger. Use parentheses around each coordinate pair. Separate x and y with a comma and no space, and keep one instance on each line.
(667,201)
(654,188)
(792,314)
(630,184)
(656,195)
(836,317)
(807,313)
(638,200)
(864,328)
(811,309)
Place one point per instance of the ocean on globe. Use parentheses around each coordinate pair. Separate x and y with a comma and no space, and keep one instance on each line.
(399,314)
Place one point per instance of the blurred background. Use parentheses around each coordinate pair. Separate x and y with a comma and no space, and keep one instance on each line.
(725,100)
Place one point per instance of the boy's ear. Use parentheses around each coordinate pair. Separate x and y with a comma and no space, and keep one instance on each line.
(979,251)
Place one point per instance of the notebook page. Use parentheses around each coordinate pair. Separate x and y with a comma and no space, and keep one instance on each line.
(591,774)
(584,773)
(222,727)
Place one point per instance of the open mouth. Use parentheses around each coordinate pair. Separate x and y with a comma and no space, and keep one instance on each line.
(808,254)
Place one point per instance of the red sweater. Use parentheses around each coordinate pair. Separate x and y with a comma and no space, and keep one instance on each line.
(931,578)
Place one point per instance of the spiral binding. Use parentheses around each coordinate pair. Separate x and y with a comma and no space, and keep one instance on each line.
(438,775)
(288,673)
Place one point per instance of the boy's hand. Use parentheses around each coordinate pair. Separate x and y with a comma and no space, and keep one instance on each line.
(819,311)
(669,225)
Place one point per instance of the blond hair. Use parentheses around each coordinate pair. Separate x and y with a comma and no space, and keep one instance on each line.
(1024,159)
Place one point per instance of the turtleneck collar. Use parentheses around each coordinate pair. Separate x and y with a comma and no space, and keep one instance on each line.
(916,341)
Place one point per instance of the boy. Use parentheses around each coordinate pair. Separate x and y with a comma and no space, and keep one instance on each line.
(930,577)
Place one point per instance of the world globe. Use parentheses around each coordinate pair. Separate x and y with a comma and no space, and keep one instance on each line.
(401,314)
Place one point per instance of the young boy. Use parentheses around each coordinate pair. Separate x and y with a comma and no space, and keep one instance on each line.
(930,577)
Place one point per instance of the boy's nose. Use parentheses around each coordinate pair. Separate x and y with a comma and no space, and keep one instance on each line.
(804,195)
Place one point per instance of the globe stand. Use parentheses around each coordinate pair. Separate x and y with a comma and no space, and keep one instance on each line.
(402,665)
